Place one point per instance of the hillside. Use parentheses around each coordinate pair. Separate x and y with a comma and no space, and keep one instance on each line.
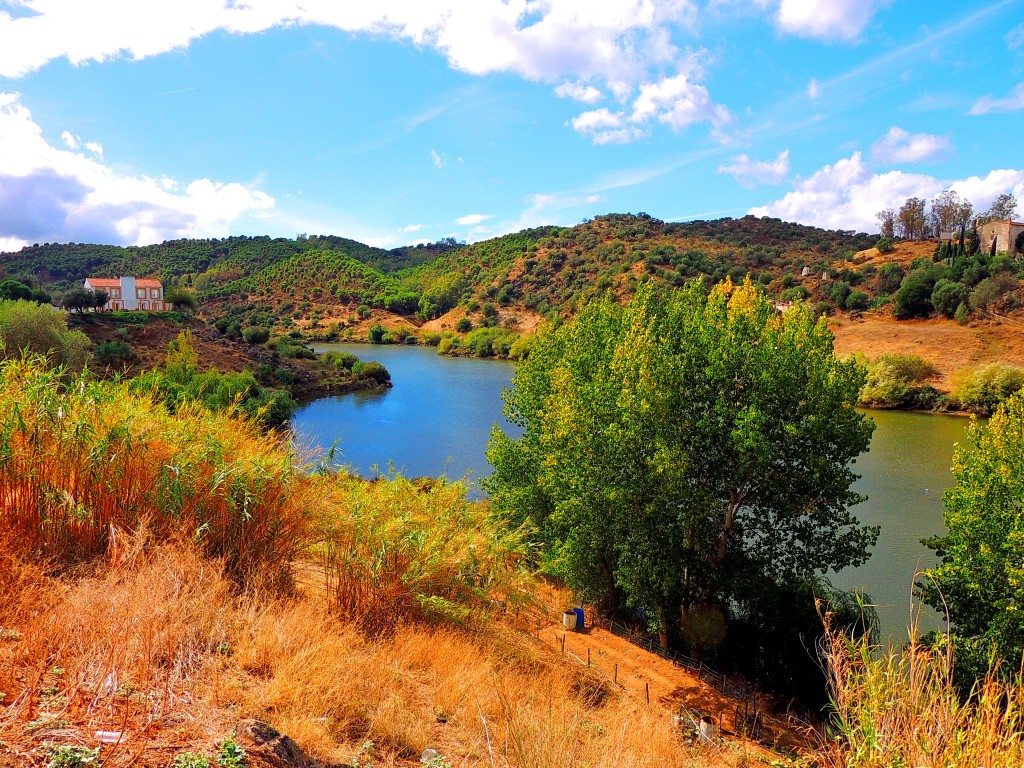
(330,288)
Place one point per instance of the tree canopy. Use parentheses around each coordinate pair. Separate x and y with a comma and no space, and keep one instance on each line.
(685,453)
(980,578)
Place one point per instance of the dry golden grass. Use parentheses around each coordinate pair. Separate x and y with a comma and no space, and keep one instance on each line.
(160,646)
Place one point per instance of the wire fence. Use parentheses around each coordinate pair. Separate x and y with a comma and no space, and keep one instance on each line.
(748,718)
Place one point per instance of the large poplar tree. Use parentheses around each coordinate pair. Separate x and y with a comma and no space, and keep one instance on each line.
(682,450)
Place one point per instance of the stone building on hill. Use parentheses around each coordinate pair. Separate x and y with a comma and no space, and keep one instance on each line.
(1008,236)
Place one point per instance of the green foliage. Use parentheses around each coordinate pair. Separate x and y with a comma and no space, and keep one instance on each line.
(987,292)
(111,353)
(71,756)
(980,578)
(885,245)
(914,298)
(231,755)
(27,326)
(191,760)
(897,380)
(858,301)
(402,549)
(372,370)
(984,389)
(341,360)
(180,381)
(948,295)
(182,299)
(377,334)
(465,325)
(255,335)
(291,348)
(673,451)
(890,276)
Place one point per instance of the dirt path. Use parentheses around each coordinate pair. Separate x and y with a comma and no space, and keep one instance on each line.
(640,672)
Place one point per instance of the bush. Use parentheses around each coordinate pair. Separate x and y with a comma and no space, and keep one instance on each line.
(341,360)
(947,296)
(858,301)
(114,352)
(890,276)
(43,330)
(983,389)
(465,325)
(372,370)
(885,245)
(898,381)
(991,289)
(377,335)
(256,335)
(914,298)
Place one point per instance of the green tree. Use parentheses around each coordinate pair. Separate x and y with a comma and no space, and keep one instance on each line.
(948,295)
(684,447)
(39,328)
(980,578)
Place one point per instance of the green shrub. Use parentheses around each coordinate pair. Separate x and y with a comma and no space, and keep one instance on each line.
(25,325)
(191,760)
(898,381)
(858,301)
(231,755)
(889,278)
(69,756)
(377,334)
(983,389)
(914,298)
(256,335)
(465,325)
(885,245)
(372,370)
(796,293)
(948,295)
(113,352)
(341,360)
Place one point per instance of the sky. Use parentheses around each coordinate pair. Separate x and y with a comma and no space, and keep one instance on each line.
(401,121)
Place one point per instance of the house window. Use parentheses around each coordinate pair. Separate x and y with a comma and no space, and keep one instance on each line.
(154,293)
(115,293)
(158,305)
(140,293)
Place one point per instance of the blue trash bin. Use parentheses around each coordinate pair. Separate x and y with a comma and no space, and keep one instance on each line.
(580,622)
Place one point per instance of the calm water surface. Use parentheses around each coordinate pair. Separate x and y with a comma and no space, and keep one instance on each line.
(437,418)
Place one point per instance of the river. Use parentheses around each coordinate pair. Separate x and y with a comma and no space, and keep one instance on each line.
(437,418)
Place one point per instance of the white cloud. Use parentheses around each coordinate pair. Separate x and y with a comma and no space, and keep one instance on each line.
(540,39)
(749,173)
(847,195)
(439,160)
(472,218)
(812,88)
(50,194)
(588,94)
(622,45)
(413,227)
(94,147)
(901,146)
(675,101)
(824,19)
(1012,103)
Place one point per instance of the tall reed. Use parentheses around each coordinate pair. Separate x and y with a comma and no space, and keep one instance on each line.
(80,460)
(900,708)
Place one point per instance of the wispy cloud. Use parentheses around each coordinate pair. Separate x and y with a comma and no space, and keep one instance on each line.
(439,160)
(472,218)
(749,173)
(1012,103)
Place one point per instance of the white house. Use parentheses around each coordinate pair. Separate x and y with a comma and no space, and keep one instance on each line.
(130,293)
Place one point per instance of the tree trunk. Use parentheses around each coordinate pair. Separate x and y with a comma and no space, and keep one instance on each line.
(663,626)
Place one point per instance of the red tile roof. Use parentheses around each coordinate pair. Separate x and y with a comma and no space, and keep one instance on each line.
(146,282)
(104,282)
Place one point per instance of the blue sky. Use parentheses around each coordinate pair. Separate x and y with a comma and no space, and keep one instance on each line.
(397,121)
